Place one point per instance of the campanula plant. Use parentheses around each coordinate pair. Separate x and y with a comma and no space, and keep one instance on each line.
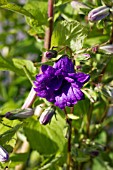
(56,85)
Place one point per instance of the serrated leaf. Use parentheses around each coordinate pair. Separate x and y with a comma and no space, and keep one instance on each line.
(16,8)
(47,139)
(39,11)
(70,34)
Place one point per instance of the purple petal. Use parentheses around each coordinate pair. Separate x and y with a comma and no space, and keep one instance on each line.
(48,69)
(80,77)
(78,93)
(55,83)
(70,80)
(65,64)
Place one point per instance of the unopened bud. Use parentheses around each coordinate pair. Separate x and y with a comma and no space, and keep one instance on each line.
(83,56)
(77,5)
(51,54)
(4,156)
(107,48)
(47,115)
(98,13)
(19,114)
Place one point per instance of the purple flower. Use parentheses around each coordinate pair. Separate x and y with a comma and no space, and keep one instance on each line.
(4,156)
(60,84)
(98,13)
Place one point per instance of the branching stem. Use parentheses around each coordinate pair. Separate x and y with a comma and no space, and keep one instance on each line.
(47,42)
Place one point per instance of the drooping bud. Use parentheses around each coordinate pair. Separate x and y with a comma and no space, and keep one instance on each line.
(98,13)
(108,49)
(4,156)
(19,114)
(50,54)
(47,115)
(83,57)
(77,5)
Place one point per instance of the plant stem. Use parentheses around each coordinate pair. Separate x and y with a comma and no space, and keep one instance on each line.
(47,42)
(89,115)
(69,145)
(69,122)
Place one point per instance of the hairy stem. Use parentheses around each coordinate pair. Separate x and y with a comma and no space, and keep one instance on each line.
(47,42)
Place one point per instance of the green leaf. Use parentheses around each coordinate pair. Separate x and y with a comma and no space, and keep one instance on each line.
(47,139)
(70,34)
(21,63)
(15,8)
(7,131)
(6,64)
(3,2)
(39,11)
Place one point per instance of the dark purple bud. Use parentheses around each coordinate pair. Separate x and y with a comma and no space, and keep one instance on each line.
(4,156)
(94,153)
(98,13)
(51,54)
(47,115)
(19,114)
(107,48)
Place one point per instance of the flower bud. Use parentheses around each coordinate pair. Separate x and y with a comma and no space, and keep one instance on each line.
(19,114)
(47,115)
(77,5)
(4,156)
(98,13)
(50,54)
(107,48)
(83,57)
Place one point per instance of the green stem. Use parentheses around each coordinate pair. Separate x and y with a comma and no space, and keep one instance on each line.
(69,122)
(89,115)
(47,41)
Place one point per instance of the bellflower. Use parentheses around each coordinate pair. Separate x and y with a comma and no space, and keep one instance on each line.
(60,84)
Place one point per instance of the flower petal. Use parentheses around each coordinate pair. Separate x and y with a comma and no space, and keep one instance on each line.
(65,64)
(55,83)
(48,69)
(80,77)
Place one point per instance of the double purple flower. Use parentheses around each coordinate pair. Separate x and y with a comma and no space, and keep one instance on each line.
(60,84)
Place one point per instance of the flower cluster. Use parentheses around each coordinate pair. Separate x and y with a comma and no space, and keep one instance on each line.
(60,84)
